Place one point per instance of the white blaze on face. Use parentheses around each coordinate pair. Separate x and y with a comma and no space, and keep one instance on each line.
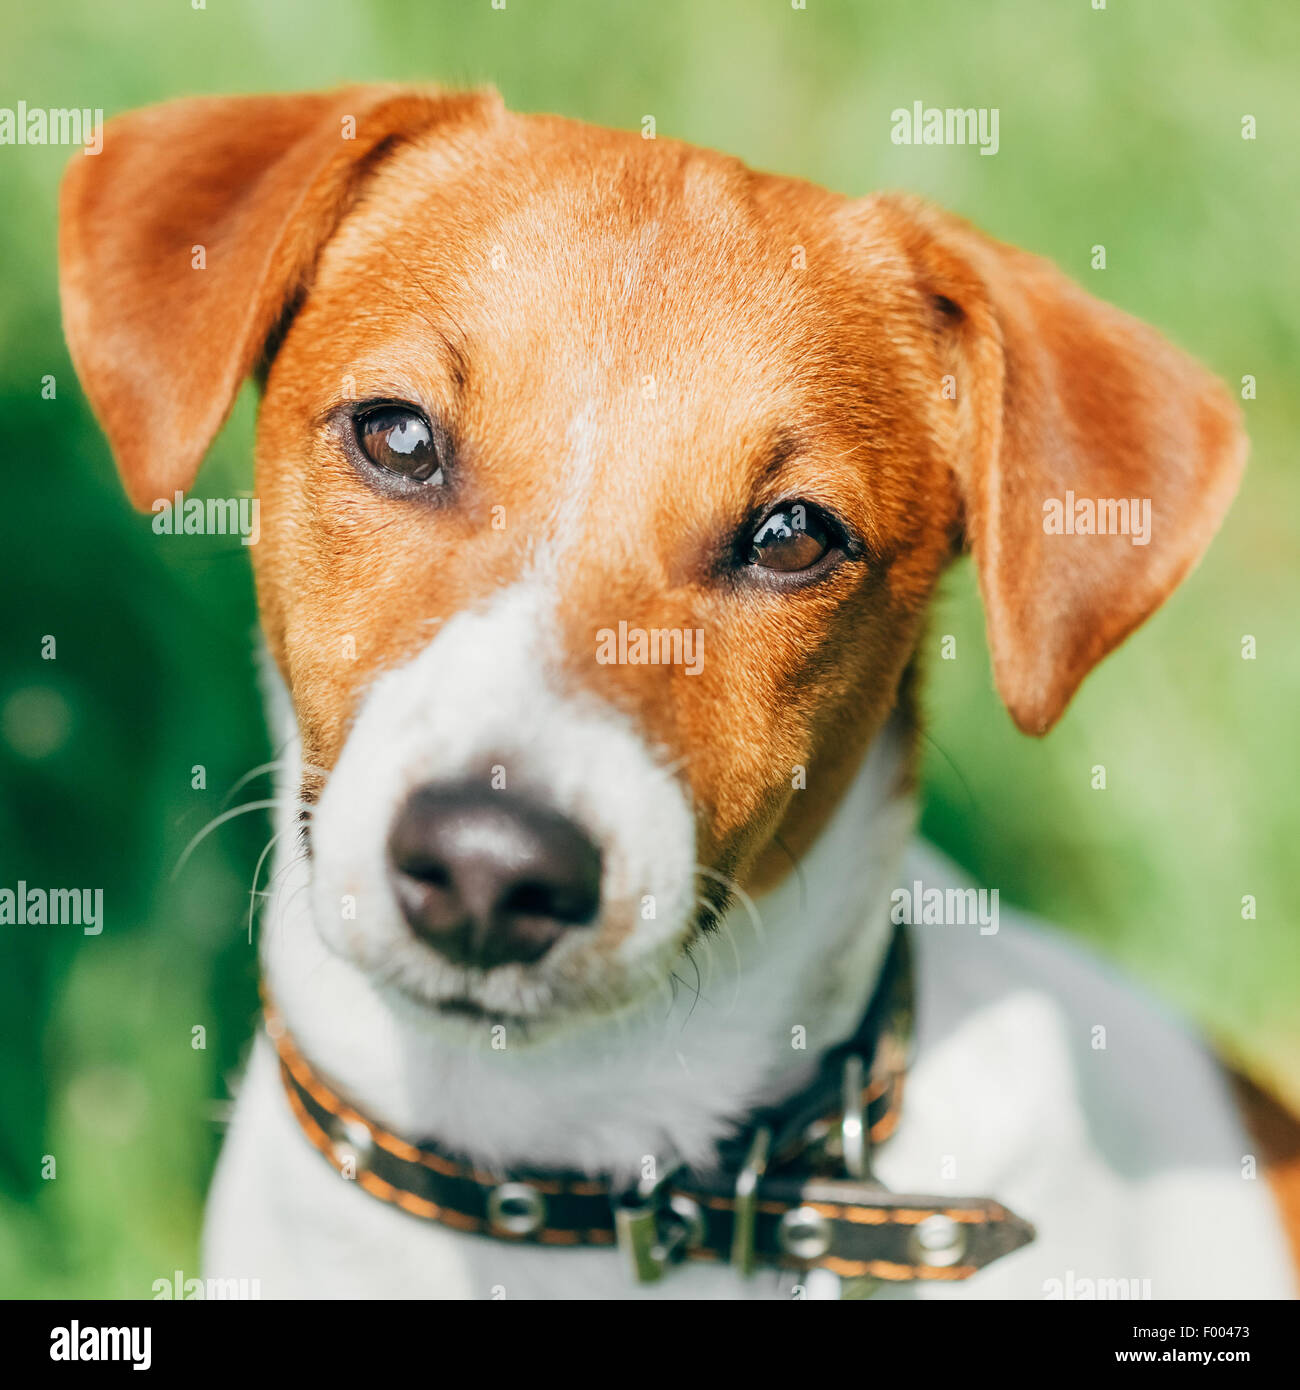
(480,701)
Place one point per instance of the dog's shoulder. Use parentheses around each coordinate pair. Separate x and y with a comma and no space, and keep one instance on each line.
(1044,1077)
(1137,1069)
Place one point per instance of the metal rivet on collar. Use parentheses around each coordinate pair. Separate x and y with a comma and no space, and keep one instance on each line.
(516,1208)
(804,1233)
(351,1143)
(938,1240)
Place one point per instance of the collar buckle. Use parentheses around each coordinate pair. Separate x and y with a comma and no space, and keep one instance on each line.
(653,1227)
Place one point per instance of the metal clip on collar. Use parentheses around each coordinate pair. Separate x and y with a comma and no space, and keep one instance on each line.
(855,1135)
(745,1205)
(655,1228)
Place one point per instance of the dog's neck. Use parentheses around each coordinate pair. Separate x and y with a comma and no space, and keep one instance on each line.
(786,977)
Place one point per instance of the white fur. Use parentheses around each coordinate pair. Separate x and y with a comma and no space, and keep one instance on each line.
(1128,1159)
(481,698)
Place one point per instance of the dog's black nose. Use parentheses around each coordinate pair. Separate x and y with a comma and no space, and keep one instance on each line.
(488,877)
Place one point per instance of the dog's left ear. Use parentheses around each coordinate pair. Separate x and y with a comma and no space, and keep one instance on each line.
(1060,403)
(185,241)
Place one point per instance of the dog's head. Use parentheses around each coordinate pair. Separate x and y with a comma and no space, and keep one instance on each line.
(603,486)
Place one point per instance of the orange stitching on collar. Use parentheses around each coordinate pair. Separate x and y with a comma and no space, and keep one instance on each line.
(886,1269)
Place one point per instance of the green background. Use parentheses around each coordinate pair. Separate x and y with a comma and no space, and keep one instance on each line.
(1120,127)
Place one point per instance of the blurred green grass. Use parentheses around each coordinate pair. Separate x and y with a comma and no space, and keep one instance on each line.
(1119,126)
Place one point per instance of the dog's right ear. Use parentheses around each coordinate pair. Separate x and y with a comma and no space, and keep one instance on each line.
(185,240)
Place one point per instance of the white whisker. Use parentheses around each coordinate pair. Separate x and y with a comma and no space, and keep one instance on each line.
(221,819)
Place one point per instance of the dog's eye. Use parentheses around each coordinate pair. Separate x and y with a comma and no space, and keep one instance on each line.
(790,539)
(400,439)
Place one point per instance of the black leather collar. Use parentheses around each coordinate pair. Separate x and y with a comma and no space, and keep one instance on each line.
(792,1190)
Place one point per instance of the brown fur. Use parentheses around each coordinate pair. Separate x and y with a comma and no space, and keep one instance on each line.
(1277,1132)
(521,277)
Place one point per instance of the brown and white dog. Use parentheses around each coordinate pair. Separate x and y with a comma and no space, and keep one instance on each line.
(604,486)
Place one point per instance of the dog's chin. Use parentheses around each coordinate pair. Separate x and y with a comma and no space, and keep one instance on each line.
(515,1006)
(463,1017)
